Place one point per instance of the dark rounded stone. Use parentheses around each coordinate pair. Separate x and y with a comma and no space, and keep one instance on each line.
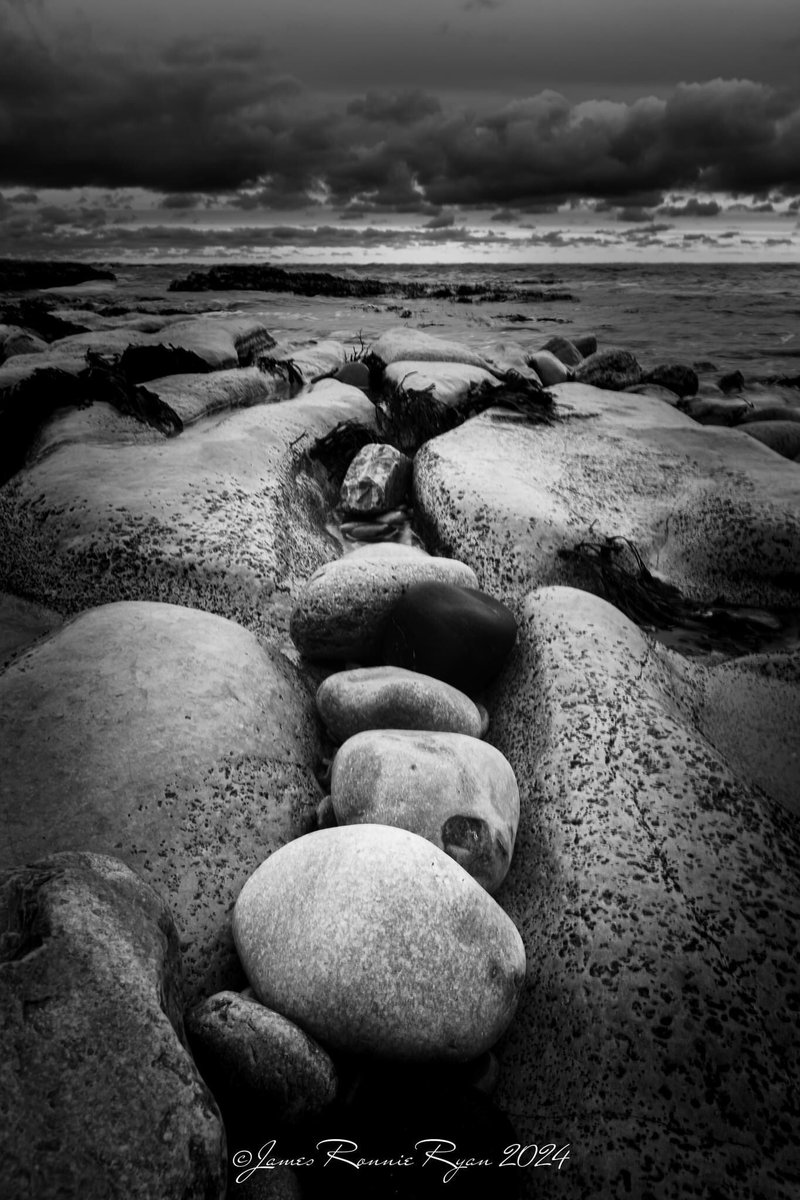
(734,382)
(586,344)
(354,373)
(678,378)
(457,634)
(613,370)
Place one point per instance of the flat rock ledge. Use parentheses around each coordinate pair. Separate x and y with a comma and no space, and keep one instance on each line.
(710,510)
(657,896)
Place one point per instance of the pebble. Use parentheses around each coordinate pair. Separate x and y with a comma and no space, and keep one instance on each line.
(393,698)
(377,479)
(457,791)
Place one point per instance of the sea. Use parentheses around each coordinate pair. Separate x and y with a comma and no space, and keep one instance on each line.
(718,317)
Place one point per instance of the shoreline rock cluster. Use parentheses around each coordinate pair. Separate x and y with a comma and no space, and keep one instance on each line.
(557,861)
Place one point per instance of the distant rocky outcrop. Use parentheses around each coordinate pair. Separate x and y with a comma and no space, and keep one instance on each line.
(21,274)
(262,277)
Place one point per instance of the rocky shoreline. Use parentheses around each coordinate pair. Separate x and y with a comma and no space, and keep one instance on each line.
(351,780)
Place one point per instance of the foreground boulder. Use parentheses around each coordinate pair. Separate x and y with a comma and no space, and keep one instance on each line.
(781,436)
(393,698)
(376,942)
(100,1095)
(454,790)
(342,611)
(166,736)
(658,894)
(457,634)
(710,510)
(414,345)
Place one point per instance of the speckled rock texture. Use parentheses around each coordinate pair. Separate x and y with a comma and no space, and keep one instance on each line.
(613,369)
(373,940)
(101,1099)
(255,1056)
(454,790)
(377,480)
(709,510)
(170,738)
(658,896)
(97,424)
(225,517)
(341,613)
(392,698)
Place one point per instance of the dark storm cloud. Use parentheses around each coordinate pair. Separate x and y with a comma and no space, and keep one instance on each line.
(221,116)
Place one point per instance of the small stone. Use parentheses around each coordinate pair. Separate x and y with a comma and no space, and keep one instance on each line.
(457,634)
(564,350)
(548,367)
(676,377)
(377,480)
(393,698)
(376,942)
(248,1053)
(356,374)
(733,382)
(613,370)
(456,791)
(341,612)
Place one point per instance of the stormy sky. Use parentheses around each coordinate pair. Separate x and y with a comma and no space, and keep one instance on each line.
(286,123)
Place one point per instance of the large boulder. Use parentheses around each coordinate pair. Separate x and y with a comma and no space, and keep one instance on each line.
(564,350)
(374,941)
(341,613)
(449,383)
(548,367)
(454,790)
(227,517)
(657,893)
(166,736)
(393,698)
(100,1095)
(677,377)
(709,510)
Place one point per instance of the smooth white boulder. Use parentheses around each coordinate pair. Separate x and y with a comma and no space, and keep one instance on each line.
(374,941)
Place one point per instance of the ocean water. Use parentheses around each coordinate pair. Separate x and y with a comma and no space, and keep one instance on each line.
(725,316)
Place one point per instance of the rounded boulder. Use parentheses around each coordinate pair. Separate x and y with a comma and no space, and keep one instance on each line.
(458,634)
(393,698)
(341,612)
(456,791)
(375,941)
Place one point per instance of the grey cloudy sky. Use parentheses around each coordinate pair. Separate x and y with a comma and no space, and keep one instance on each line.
(373,108)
